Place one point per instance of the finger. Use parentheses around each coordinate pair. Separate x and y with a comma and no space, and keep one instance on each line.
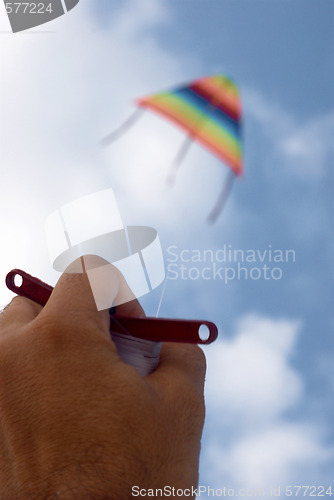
(179,362)
(19,312)
(127,307)
(109,286)
(74,295)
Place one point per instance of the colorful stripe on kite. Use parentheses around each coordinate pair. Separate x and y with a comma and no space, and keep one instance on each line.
(209,109)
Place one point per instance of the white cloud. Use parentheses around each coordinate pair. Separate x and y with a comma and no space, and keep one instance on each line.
(305,148)
(133,18)
(274,119)
(249,377)
(279,455)
(251,384)
(60,92)
(310,146)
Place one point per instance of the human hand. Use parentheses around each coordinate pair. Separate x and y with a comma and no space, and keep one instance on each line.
(76,422)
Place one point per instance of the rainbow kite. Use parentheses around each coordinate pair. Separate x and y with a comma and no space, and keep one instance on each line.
(209,110)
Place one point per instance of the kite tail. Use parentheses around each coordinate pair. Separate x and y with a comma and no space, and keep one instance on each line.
(178,159)
(123,128)
(220,203)
(186,146)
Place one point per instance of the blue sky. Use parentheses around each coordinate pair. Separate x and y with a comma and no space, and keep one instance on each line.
(270,376)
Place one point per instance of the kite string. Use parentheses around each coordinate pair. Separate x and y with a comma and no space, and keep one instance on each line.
(162,295)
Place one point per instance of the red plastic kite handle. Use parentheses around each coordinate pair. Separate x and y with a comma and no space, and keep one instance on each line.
(155,329)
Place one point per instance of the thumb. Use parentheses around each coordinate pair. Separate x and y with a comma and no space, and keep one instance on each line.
(74,295)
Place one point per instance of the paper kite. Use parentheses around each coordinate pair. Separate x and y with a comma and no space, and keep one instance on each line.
(209,111)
